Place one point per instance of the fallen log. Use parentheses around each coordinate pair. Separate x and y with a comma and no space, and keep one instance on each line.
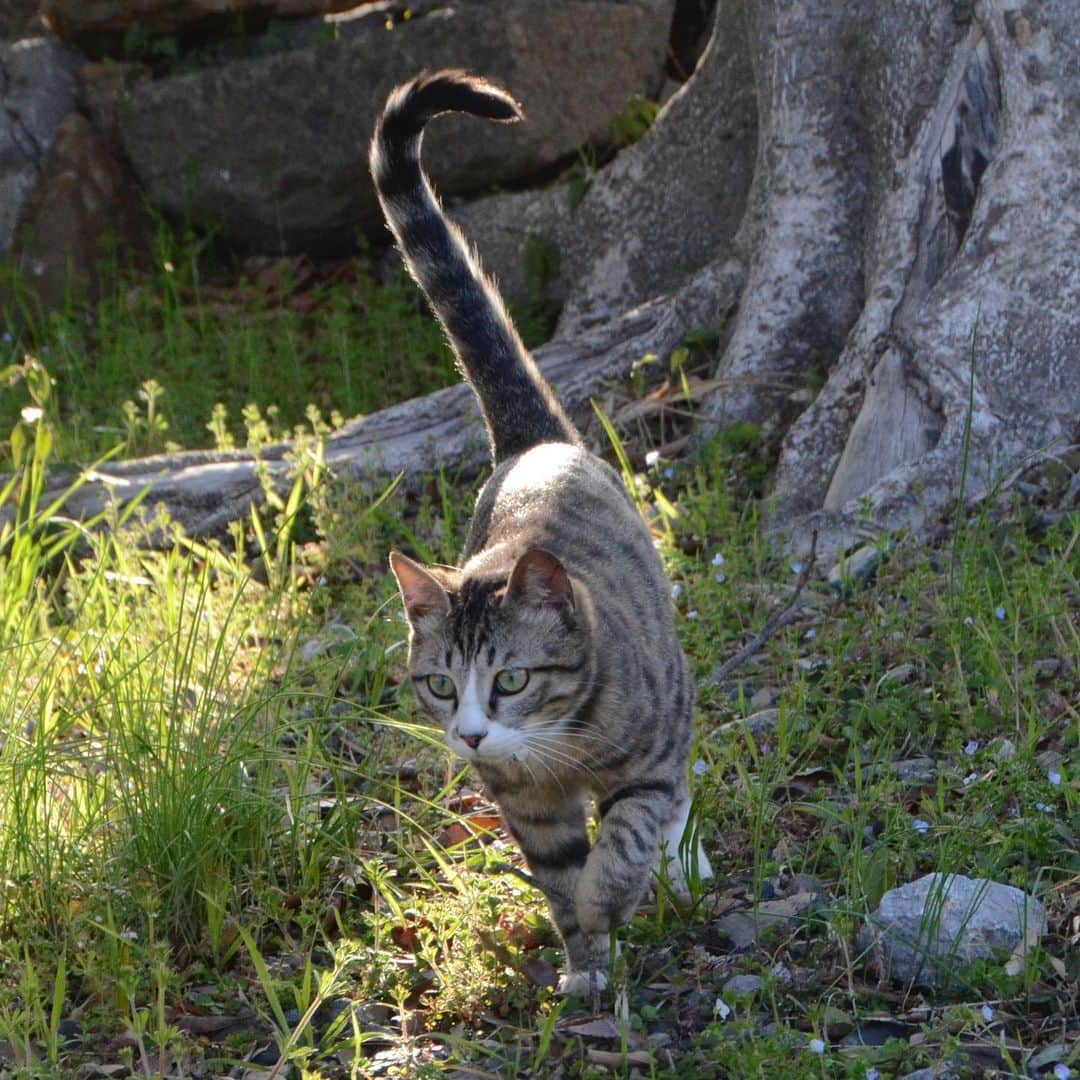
(203,491)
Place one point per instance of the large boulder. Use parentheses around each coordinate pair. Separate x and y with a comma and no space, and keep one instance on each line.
(84,20)
(274,150)
(83,203)
(37,90)
(19,19)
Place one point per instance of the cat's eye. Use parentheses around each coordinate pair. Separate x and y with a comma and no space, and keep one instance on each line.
(511,680)
(442,686)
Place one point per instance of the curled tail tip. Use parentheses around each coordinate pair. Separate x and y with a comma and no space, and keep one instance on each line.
(413,103)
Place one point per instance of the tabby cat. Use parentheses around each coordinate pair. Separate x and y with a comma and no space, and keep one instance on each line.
(550,657)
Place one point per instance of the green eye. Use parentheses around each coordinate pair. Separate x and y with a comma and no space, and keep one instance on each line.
(511,680)
(442,686)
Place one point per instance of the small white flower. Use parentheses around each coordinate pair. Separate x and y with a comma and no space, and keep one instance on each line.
(971,747)
(722,1009)
(796,567)
(129,935)
(652,458)
(718,559)
(1043,808)
(38,268)
(699,768)
(721,577)
(31,414)
(970,779)
(968,620)
(999,613)
(1054,777)
(1062,1071)
(692,616)
(817,1046)
(321,580)
(676,591)
(921,826)
(226,176)
(987,1013)
(810,634)
(872,1074)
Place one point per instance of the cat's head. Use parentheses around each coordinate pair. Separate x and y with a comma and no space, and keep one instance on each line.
(503,663)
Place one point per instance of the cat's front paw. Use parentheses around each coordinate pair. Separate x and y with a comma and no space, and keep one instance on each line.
(582,983)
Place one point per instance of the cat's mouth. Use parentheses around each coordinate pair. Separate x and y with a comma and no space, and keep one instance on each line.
(496,744)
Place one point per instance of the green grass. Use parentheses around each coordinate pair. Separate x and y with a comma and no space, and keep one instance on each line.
(174,357)
(222,835)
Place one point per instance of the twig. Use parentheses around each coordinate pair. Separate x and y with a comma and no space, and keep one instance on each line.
(773,623)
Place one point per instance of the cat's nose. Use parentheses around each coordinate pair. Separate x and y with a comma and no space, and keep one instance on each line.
(472,740)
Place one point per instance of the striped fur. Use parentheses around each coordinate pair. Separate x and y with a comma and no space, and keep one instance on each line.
(518,407)
(550,657)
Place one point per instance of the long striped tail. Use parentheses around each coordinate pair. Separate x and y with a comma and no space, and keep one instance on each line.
(517,404)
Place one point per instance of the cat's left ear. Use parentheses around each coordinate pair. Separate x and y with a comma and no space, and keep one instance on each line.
(421,592)
(539,579)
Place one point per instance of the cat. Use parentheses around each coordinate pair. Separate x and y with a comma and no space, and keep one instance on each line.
(550,656)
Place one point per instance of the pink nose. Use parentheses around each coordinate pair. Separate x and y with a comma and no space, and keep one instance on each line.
(472,740)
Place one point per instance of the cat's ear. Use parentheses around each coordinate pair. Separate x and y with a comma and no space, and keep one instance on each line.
(421,592)
(539,579)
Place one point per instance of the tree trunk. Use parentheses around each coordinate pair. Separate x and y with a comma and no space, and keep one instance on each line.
(912,233)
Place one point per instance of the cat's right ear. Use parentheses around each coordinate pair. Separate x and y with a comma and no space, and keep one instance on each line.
(421,593)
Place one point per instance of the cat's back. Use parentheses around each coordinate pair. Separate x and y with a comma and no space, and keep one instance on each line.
(566,500)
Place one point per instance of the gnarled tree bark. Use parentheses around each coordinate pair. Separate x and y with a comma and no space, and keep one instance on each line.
(943,170)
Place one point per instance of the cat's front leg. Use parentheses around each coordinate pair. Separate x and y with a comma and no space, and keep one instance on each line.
(620,866)
(555,844)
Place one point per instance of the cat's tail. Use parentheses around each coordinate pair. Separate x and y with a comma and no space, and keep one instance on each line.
(517,404)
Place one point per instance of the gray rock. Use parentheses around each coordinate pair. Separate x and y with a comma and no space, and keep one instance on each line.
(760,723)
(744,928)
(83,197)
(274,149)
(901,673)
(924,931)
(765,698)
(943,1070)
(743,985)
(503,227)
(856,568)
(20,19)
(1004,749)
(88,21)
(912,771)
(37,90)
